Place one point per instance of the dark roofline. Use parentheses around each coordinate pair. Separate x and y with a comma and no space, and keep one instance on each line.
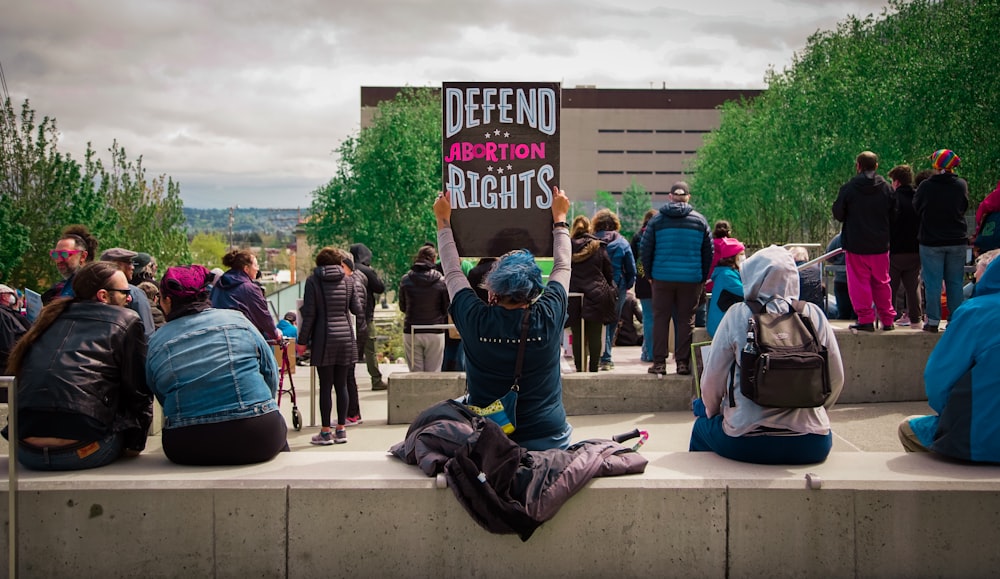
(608,98)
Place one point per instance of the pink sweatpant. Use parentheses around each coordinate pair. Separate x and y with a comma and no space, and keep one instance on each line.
(867,283)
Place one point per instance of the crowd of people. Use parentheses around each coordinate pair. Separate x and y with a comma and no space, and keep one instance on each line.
(112,337)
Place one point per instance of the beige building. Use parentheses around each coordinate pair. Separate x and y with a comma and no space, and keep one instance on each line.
(610,137)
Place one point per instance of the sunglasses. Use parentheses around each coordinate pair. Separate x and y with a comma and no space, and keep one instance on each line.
(126,291)
(63,253)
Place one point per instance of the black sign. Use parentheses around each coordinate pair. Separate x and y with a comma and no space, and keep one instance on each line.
(501,163)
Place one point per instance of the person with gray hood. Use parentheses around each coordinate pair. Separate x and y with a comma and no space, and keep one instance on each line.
(373,286)
(741,429)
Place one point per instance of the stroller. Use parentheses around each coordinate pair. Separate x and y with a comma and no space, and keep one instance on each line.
(287,368)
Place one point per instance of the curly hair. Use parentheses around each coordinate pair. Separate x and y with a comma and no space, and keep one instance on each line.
(515,277)
(605,220)
(329,256)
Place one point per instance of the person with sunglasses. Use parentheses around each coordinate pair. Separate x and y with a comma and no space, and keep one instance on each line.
(75,248)
(82,395)
(138,302)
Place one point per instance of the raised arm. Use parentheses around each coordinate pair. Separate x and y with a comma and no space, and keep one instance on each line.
(561,250)
(447,250)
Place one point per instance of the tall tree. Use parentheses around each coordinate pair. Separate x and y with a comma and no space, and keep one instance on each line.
(385,185)
(636,201)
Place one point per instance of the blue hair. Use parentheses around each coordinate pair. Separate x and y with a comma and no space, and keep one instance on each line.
(515,276)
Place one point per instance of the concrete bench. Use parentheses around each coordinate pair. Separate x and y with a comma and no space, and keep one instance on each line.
(365,514)
(879,367)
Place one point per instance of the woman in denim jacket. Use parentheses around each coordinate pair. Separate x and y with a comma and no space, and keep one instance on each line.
(215,376)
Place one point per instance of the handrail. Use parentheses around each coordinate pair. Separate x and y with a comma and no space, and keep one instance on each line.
(823,257)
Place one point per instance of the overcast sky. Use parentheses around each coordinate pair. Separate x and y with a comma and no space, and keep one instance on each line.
(245,101)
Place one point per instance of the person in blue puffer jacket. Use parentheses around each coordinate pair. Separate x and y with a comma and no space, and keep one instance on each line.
(962,379)
(215,376)
(606,226)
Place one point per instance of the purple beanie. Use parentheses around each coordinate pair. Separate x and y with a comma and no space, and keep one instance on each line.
(185,281)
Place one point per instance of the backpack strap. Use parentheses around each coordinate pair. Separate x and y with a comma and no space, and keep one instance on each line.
(732,385)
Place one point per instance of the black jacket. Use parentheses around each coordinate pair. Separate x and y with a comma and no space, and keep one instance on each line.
(373,284)
(591,275)
(865,205)
(328,298)
(91,361)
(643,289)
(941,202)
(905,223)
(423,297)
(503,487)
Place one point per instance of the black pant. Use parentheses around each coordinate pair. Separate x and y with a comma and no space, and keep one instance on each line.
(675,301)
(240,441)
(331,377)
(593,338)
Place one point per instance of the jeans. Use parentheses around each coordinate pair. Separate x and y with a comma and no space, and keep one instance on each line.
(707,435)
(937,264)
(611,329)
(647,329)
(80,456)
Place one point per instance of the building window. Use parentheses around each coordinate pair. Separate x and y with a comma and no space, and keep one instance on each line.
(668,131)
(639,173)
(669,172)
(638,152)
(699,131)
(611,172)
(639,131)
(610,130)
(668,152)
(610,152)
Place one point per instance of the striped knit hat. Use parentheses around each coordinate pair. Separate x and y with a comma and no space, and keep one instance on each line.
(945,159)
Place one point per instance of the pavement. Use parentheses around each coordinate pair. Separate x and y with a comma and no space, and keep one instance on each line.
(856,427)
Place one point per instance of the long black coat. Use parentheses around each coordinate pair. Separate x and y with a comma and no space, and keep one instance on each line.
(591,274)
(330,296)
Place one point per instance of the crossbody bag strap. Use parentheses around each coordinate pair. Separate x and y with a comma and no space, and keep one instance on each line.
(520,348)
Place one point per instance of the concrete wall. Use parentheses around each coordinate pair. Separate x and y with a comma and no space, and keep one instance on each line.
(358,514)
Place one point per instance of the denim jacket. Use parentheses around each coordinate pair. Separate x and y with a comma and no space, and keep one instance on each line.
(211,367)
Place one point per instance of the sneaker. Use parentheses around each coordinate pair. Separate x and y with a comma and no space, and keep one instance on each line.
(888,327)
(683,368)
(340,437)
(660,368)
(323,439)
(380,385)
(903,322)
(607,366)
(353,421)
(929,328)
(862,327)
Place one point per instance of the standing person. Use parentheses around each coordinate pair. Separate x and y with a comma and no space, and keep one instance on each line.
(592,275)
(644,292)
(75,249)
(962,379)
(153,295)
(990,205)
(904,249)
(122,258)
(676,254)
(215,377)
(82,395)
(865,206)
(477,275)
(727,287)
(423,297)
(492,331)
(373,287)
(236,290)
(738,428)
(329,299)
(941,202)
(360,327)
(606,227)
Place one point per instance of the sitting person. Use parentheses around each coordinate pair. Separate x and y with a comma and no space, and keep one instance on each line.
(236,290)
(983,260)
(286,325)
(962,379)
(215,376)
(740,429)
(628,334)
(727,288)
(810,278)
(492,332)
(81,383)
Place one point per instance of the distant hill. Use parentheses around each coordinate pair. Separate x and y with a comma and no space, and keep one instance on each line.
(245,219)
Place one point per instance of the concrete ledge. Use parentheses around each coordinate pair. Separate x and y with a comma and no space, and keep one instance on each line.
(367,514)
(884,366)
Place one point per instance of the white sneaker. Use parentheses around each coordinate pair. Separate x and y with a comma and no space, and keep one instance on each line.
(903,322)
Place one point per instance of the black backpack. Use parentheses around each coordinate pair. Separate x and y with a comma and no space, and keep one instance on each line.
(783,365)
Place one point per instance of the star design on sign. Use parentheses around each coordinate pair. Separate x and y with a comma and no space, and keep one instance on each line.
(490,168)
(506,135)
(500,170)
(487,134)
(496,132)
(509,167)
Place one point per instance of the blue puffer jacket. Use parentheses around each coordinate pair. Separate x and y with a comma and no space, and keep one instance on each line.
(622,260)
(677,245)
(962,379)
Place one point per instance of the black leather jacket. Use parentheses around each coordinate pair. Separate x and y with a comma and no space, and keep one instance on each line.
(91,361)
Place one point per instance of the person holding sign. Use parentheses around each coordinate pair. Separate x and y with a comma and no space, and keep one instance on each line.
(492,331)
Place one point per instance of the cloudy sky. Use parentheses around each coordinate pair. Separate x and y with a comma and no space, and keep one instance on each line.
(245,101)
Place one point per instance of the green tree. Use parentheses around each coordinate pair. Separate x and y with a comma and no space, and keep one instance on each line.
(636,201)
(605,200)
(385,184)
(207,249)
